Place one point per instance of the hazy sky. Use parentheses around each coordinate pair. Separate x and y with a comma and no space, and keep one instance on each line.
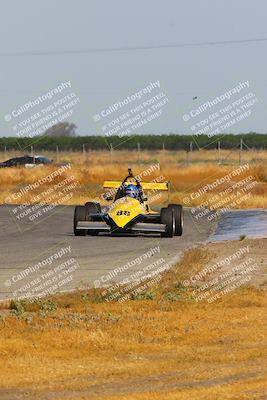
(101,78)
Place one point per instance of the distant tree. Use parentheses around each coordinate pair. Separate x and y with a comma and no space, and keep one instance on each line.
(62,129)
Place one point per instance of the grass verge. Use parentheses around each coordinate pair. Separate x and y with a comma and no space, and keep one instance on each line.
(165,346)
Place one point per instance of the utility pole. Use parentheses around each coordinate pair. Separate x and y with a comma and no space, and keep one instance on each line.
(138,150)
(188,152)
(219,152)
(57,150)
(111,152)
(32,155)
(191,147)
(241,152)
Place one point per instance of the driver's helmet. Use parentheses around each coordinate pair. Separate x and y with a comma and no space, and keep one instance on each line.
(132,191)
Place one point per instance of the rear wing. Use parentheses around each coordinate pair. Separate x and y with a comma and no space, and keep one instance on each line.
(145,185)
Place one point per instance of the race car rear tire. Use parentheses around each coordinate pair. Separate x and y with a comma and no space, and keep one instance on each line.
(179,218)
(167,218)
(92,208)
(79,215)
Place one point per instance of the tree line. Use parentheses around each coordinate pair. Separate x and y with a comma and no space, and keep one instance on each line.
(145,142)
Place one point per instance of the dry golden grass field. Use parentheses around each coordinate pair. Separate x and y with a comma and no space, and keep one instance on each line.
(186,172)
(165,346)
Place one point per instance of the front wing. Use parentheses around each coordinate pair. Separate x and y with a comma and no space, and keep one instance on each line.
(149,224)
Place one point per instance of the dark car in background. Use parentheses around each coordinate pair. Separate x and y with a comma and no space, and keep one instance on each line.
(27,161)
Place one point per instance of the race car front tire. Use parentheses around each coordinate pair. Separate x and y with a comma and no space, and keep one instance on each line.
(179,218)
(167,218)
(79,215)
(92,208)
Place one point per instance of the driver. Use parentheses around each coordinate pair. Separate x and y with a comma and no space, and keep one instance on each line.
(132,191)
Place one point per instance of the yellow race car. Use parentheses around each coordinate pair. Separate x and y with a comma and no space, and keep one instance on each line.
(130,212)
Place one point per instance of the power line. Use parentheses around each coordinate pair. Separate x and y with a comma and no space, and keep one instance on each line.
(133,48)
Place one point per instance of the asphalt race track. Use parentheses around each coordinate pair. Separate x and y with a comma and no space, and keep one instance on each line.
(31,250)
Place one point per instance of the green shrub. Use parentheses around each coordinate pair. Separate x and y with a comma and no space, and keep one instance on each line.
(17,308)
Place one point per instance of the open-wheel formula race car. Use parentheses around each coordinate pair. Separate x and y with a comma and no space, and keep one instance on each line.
(129,211)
